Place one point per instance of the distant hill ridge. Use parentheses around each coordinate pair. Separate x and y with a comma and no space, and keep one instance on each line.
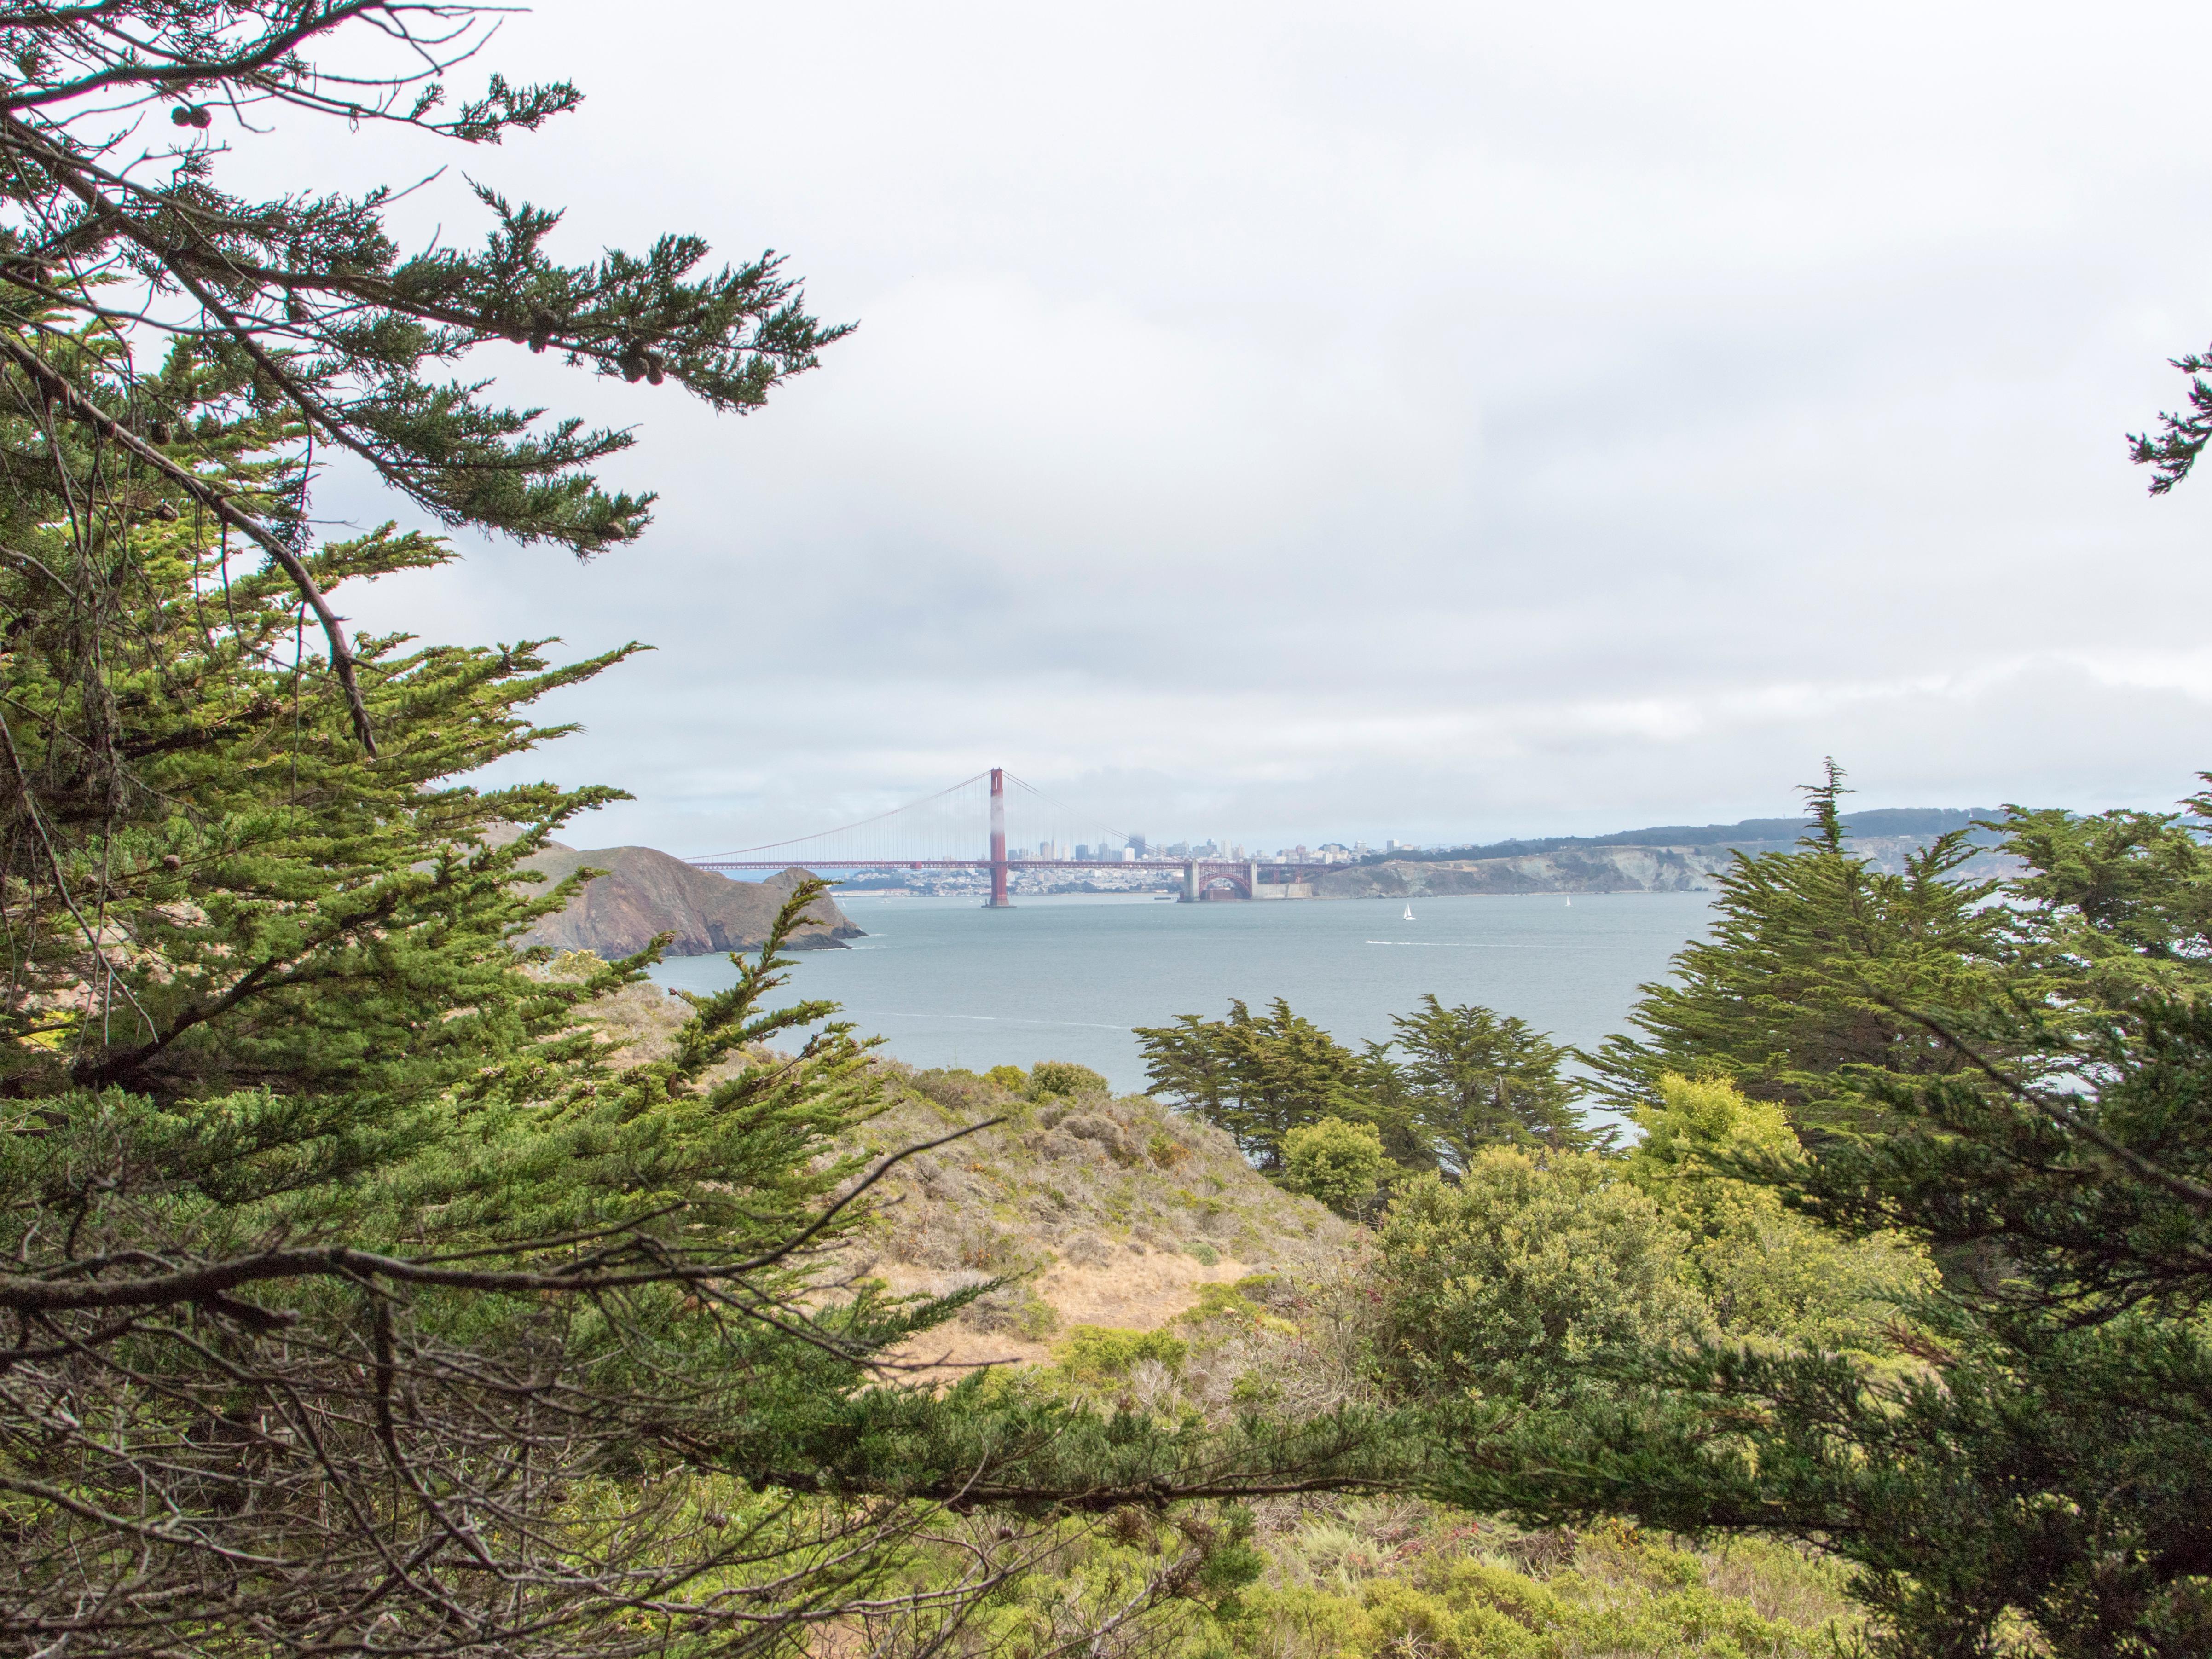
(1881,822)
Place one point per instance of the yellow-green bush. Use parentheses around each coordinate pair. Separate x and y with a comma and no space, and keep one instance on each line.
(1298,1622)
(1065,1078)
(1339,1162)
(1453,1591)
(1769,1274)
(1222,1308)
(1099,1353)
(1514,1281)
(1412,1620)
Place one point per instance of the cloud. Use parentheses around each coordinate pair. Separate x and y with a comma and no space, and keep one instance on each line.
(1288,422)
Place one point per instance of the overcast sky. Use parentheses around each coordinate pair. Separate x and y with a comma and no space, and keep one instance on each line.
(1286,421)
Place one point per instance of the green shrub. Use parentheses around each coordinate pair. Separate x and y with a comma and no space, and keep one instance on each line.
(1011,1079)
(1065,1078)
(1413,1621)
(1518,1280)
(1253,1392)
(1355,1586)
(1100,1353)
(1338,1163)
(1474,1583)
(1036,1319)
(1770,1275)
(1204,1253)
(1298,1620)
(1227,1307)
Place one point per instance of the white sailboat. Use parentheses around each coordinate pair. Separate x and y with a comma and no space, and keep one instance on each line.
(1409,912)
(1571,901)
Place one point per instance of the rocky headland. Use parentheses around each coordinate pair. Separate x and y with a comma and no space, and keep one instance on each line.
(646,892)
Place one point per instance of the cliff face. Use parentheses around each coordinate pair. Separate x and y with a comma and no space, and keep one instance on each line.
(1594,869)
(1604,869)
(645,892)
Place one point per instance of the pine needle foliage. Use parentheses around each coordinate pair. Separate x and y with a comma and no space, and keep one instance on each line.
(2038,1480)
(305,305)
(352,1298)
(2171,451)
(1473,1077)
(1797,993)
(1455,1080)
(1258,1076)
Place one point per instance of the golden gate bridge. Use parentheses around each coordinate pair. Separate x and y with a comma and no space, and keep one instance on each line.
(963,827)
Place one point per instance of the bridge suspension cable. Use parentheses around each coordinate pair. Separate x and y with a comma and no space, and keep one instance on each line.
(802,843)
(1122,835)
(953,825)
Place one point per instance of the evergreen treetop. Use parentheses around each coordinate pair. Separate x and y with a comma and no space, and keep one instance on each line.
(304,305)
(1474,1079)
(1258,1076)
(1798,991)
(2041,1467)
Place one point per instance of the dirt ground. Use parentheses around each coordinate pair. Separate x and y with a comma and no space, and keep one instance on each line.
(1141,1293)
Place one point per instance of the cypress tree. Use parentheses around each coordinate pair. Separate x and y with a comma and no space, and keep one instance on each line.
(1259,1076)
(2044,1463)
(1799,993)
(1474,1079)
(353,1298)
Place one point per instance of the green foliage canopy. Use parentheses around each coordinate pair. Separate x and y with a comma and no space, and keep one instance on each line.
(1338,1163)
(1258,1076)
(353,1298)
(2041,1464)
(1469,1077)
(1771,1276)
(1526,1277)
(1474,1079)
(1803,986)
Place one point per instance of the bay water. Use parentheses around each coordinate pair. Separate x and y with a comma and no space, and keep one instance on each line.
(947,983)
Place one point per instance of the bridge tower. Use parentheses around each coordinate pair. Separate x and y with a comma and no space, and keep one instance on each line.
(999,900)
